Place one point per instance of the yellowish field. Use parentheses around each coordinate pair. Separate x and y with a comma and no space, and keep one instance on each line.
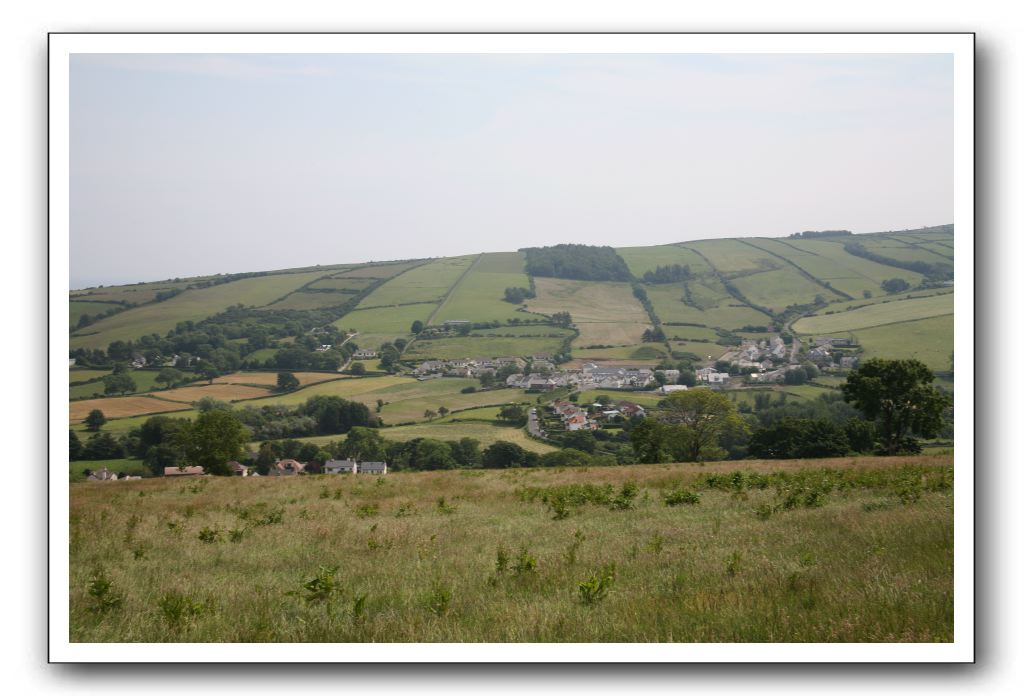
(605,313)
(269,379)
(122,406)
(486,433)
(224,392)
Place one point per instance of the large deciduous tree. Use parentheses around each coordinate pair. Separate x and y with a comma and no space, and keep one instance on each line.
(695,423)
(898,396)
(95,420)
(212,440)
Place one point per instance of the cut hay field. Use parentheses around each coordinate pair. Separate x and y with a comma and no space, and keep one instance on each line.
(223,392)
(927,340)
(605,313)
(192,305)
(730,256)
(641,351)
(145,381)
(122,406)
(479,295)
(854,564)
(426,283)
(269,379)
(483,346)
(877,315)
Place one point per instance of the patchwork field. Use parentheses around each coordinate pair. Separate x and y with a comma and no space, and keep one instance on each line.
(376,326)
(605,313)
(492,564)
(835,251)
(161,317)
(778,289)
(223,392)
(877,315)
(311,300)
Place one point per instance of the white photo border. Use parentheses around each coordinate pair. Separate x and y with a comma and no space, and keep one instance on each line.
(960,45)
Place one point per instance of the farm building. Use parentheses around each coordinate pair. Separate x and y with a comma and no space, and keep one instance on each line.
(340,466)
(364,354)
(103,474)
(238,469)
(287,467)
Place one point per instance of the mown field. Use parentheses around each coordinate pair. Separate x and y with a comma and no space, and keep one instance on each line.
(480,346)
(928,340)
(428,282)
(605,313)
(848,550)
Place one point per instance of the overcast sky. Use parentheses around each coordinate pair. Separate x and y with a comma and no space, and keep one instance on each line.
(194,164)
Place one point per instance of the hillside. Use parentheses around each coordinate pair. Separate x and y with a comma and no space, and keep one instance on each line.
(701,294)
(683,305)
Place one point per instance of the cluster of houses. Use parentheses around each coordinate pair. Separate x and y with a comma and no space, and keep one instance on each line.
(589,376)
(465,367)
(759,355)
(575,417)
(822,354)
(106,474)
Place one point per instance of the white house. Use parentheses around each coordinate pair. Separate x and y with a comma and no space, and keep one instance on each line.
(373,468)
(668,388)
(340,466)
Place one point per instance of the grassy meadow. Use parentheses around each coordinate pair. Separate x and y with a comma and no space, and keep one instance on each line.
(846,550)
(479,296)
(605,313)
(878,315)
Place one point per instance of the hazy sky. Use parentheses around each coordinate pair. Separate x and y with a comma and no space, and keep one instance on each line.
(194,164)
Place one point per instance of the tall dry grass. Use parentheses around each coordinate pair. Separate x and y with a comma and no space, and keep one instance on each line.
(864,553)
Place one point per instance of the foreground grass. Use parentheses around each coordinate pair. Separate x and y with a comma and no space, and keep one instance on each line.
(832,550)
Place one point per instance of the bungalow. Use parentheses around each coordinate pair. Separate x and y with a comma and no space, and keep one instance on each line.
(373,468)
(340,466)
(364,354)
(576,421)
(183,471)
(630,409)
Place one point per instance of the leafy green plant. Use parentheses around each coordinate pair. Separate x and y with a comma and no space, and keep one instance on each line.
(272,517)
(101,590)
(573,549)
(367,510)
(177,608)
(626,498)
(235,535)
(681,496)
(208,535)
(438,601)
(598,586)
(323,586)
(524,562)
(501,564)
(443,507)
(733,564)
(656,543)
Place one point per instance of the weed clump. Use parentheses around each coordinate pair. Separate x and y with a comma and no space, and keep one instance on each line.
(208,535)
(597,587)
(681,496)
(177,608)
(101,590)
(438,601)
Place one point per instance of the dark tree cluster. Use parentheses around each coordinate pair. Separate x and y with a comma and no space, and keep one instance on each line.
(933,271)
(577,262)
(816,234)
(518,295)
(672,273)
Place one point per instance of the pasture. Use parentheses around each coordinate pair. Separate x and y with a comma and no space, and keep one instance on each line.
(835,251)
(192,305)
(877,315)
(823,268)
(479,295)
(643,259)
(778,289)
(927,340)
(375,326)
(310,300)
(846,550)
(605,313)
(426,283)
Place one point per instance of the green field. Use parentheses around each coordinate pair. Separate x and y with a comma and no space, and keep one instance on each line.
(193,305)
(342,283)
(778,289)
(78,374)
(133,467)
(877,315)
(479,296)
(90,308)
(927,340)
(875,272)
(426,283)
(376,326)
(311,300)
(139,293)
(483,347)
(145,381)
(860,566)
(640,351)
(643,259)
(731,256)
